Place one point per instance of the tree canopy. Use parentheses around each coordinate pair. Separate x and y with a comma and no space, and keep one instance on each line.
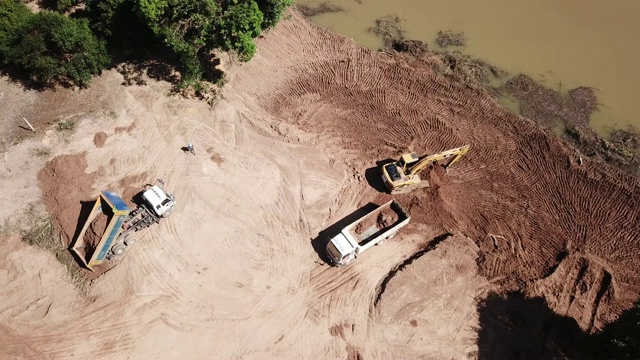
(51,47)
(190,28)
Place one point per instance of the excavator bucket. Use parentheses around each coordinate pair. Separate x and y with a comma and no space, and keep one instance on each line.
(93,251)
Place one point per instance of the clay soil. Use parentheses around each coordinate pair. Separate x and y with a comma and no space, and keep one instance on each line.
(383,219)
(94,234)
(236,271)
(100,138)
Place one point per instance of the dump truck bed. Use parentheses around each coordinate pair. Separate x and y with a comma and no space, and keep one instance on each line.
(379,224)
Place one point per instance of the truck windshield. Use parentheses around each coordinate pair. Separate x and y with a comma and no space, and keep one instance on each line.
(333,252)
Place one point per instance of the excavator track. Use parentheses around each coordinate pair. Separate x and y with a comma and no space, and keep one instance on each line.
(421,185)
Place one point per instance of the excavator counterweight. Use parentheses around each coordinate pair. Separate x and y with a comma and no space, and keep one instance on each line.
(402,176)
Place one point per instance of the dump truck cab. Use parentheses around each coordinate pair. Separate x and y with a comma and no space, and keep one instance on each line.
(342,248)
(159,201)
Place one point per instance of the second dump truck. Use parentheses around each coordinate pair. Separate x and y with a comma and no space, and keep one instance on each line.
(371,229)
(123,223)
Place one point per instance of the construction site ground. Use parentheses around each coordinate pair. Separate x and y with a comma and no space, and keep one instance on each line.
(292,147)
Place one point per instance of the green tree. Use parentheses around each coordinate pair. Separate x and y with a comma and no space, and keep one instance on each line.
(272,11)
(191,28)
(13,13)
(65,5)
(238,26)
(50,48)
(184,26)
(118,22)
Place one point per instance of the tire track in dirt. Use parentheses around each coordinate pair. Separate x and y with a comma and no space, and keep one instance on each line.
(517,182)
(431,245)
(581,288)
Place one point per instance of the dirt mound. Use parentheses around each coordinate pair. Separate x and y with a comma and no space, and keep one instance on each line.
(517,183)
(65,185)
(131,186)
(100,138)
(127,129)
(385,218)
(93,235)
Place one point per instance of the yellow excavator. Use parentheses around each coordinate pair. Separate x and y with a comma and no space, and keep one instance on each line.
(402,176)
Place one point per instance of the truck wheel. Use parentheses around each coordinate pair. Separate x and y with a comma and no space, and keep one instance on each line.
(130,240)
(118,249)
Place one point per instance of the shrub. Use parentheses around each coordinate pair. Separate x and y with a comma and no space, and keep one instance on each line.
(272,11)
(50,47)
(13,13)
(240,24)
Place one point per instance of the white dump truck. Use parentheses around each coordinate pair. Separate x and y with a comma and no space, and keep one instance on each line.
(371,229)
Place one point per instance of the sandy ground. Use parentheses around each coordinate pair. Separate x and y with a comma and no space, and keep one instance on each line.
(233,273)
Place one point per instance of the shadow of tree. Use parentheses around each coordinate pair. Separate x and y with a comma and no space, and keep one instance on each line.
(620,339)
(134,71)
(513,326)
(23,79)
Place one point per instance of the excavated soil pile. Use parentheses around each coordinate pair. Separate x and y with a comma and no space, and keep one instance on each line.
(93,234)
(100,138)
(65,185)
(132,185)
(385,218)
(520,193)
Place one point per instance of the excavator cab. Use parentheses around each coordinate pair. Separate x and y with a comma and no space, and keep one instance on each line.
(407,160)
(402,176)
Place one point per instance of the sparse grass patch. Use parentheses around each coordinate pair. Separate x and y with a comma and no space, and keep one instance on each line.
(37,230)
(322,8)
(450,38)
(389,28)
(66,125)
(41,152)
(20,137)
(221,81)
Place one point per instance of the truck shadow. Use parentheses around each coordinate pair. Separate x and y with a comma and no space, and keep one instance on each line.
(374,177)
(137,199)
(319,243)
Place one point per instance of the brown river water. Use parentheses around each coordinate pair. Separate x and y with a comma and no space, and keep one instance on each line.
(564,44)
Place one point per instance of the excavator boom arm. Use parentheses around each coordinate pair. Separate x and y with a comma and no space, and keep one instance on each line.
(454,154)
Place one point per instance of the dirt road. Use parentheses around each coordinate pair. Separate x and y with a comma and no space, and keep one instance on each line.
(233,273)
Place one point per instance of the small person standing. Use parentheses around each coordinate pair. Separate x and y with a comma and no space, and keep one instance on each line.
(190,148)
